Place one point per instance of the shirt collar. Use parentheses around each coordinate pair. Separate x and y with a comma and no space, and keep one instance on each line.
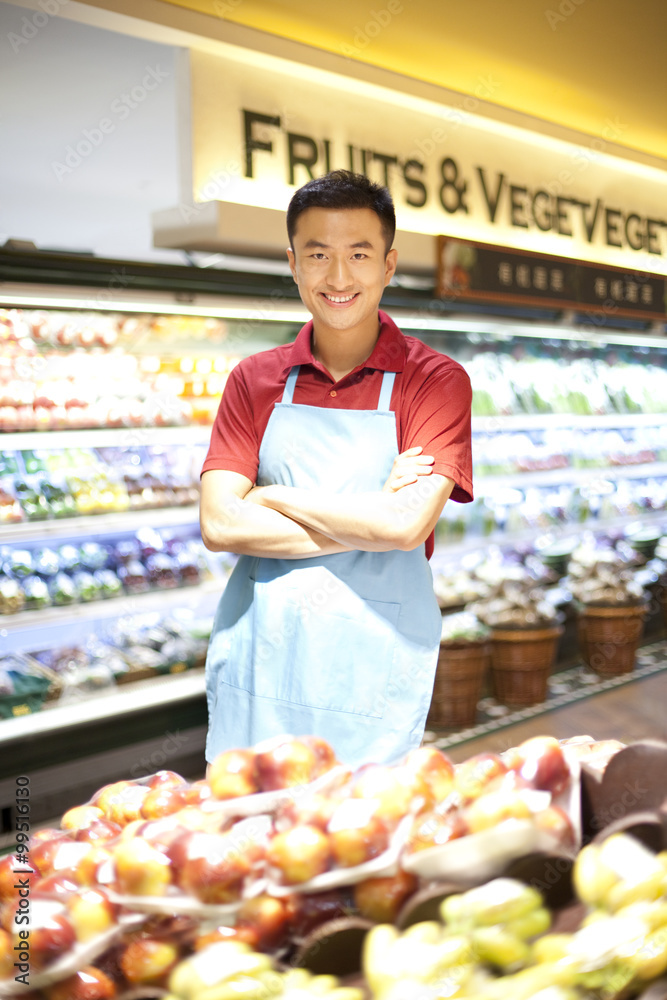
(388,355)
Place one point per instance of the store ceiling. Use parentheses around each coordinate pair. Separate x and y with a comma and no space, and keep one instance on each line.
(594,65)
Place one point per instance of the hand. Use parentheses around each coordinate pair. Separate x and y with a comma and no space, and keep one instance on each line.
(407,468)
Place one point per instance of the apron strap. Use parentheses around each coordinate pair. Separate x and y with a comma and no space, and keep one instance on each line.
(288,391)
(386,390)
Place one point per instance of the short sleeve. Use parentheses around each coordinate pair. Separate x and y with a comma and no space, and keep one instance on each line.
(438,419)
(234,444)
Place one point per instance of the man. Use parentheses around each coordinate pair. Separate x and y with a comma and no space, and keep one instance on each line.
(328,624)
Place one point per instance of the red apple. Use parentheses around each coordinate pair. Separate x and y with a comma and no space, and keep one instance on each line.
(233,774)
(268,917)
(356,833)
(88,870)
(395,789)
(556,822)
(192,818)
(89,983)
(91,913)
(124,806)
(43,852)
(51,933)
(99,832)
(432,829)
(58,884)
(492,808)
(197,792)
(162,800)
(64,856)
(285,765)
(148,960)
(44,834)
(300,853)
(141,869)
(246,935)
(436,769)
(324,753)
(214,868)
(168,779)
(316,810)
(473,775)
(176,846)
(12,869)
(380,899)
(7,956)
(541,762)
(80,817)
(106,793)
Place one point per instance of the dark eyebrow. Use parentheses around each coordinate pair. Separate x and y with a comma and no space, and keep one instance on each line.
(363,244)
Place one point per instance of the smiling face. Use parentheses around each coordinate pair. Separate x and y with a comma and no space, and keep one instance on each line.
(340,264)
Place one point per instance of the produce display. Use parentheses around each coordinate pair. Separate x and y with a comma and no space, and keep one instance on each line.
(79,369)
(493,941)
(189,887)
(503,511)
(505,384)
(43,484)
(505,452)
(136,647)
(35,578)
(603,576)
(615,568)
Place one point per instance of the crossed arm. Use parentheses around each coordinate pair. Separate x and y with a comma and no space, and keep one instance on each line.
(290,523)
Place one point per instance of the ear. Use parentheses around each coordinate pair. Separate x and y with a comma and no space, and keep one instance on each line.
(292,263)
(390,262)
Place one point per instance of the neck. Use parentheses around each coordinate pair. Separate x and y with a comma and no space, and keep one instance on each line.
(340,353)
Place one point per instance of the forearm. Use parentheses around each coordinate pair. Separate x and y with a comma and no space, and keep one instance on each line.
(247,529)
(373,522)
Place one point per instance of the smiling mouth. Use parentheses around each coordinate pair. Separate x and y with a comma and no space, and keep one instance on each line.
(339,299)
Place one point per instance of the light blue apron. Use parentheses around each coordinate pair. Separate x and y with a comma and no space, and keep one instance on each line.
(343,646)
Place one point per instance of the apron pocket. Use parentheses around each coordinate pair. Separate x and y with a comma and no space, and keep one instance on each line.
(341,663)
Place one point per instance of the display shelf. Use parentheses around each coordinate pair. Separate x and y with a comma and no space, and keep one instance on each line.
(105,437)
(553,533)
(115,607)
(554,477)
(94,525)
(573,421)
(106,705)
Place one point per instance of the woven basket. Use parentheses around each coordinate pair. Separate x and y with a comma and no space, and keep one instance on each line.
(459,679)
(521,662)
(608,637)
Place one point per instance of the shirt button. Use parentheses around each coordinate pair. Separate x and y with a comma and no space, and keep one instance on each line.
(333,393)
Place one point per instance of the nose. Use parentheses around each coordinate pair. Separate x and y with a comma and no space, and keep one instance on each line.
(338,274)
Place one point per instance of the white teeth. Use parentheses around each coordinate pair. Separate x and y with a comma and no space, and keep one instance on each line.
(339,298)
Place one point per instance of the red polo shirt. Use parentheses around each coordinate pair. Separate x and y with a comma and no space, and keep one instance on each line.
(431,398)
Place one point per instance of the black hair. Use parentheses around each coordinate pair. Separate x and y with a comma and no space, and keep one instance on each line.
(343,189)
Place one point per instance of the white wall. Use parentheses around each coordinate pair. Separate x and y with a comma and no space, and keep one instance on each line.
(58,79)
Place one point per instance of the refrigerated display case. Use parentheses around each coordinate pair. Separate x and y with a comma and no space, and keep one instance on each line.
(109,381)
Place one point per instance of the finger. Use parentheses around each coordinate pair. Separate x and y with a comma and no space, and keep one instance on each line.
(398,484)
(411,451)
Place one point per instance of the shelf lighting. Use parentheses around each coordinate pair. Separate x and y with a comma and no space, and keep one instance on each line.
(276,312)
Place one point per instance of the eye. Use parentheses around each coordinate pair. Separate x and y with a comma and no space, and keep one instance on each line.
(317,256)
(359,256)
